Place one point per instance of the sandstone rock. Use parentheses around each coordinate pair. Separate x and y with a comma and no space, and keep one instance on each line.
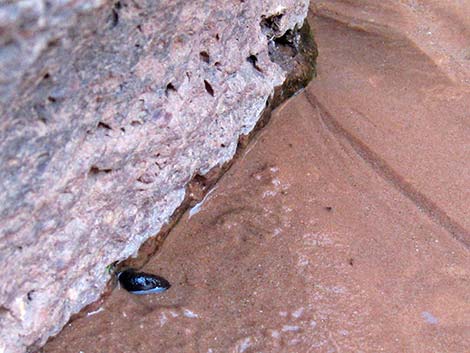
(438,28)
(108,111)
(345,226)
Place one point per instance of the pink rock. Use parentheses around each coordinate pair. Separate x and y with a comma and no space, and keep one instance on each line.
(108,111)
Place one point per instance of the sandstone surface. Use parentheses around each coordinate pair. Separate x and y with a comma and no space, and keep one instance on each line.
(108,110)
(344,227)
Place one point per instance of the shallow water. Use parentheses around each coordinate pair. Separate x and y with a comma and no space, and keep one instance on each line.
(307,245)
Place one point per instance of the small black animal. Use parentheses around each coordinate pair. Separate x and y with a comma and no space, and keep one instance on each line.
(142,283)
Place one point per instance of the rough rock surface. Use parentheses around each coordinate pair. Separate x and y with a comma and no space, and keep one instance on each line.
(27,28)
(344,228)
(108,110)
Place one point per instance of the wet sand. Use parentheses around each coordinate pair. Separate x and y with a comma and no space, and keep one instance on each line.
(344,227)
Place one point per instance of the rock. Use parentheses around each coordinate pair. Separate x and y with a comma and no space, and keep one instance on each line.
(345,227)
(438,28)
(108,111)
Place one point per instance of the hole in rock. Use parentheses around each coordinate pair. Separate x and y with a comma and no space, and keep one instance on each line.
(30,295)
(169,88)
(271,25)
(252,59)
(94,170)
(114,18)
(289,40)
(115,14)
(102,125)
(209,88)
(204,56)
(53,43)
(200,180)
